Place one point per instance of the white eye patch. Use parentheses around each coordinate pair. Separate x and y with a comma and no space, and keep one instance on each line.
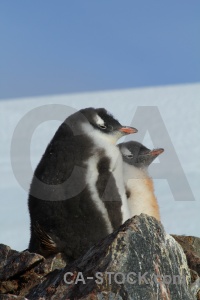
(125,151)
(99,120)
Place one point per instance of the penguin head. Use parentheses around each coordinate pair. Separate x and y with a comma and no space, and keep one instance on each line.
(138,155)
(104,125)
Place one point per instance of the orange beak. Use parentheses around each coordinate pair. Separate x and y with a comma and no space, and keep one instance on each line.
(156,152)
(128,130)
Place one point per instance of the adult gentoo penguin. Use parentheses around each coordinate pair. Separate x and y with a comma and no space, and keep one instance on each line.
(139,185)
(80,170)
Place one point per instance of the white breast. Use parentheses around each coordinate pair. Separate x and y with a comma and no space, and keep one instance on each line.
(91,179)
(116,168)
(142,198)
(107,143)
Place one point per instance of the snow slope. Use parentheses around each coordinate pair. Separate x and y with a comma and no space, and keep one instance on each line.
(170,113)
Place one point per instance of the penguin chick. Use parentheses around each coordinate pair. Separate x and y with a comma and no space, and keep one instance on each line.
(79,171)
(139,185)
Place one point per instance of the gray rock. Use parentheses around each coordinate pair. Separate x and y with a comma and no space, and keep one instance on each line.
(21,271)
(13,263)
(191,248)
(145,262)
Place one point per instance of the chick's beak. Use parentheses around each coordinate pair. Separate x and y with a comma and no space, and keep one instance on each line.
(156,152)
(128,130)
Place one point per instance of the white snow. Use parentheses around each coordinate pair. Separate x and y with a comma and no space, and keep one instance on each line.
(179,107)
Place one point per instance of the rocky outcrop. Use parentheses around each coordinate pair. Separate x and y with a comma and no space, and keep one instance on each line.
(138,261)
(191,248)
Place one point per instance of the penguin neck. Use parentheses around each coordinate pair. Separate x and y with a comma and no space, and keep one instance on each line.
(141,197)
(105,142)
(99,136)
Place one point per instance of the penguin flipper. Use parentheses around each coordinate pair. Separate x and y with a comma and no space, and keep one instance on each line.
(47,244)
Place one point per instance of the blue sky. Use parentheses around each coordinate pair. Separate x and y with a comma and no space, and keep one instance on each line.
(53,47)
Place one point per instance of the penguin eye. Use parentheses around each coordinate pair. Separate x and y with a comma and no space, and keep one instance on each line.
(129,156)
(102,126)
